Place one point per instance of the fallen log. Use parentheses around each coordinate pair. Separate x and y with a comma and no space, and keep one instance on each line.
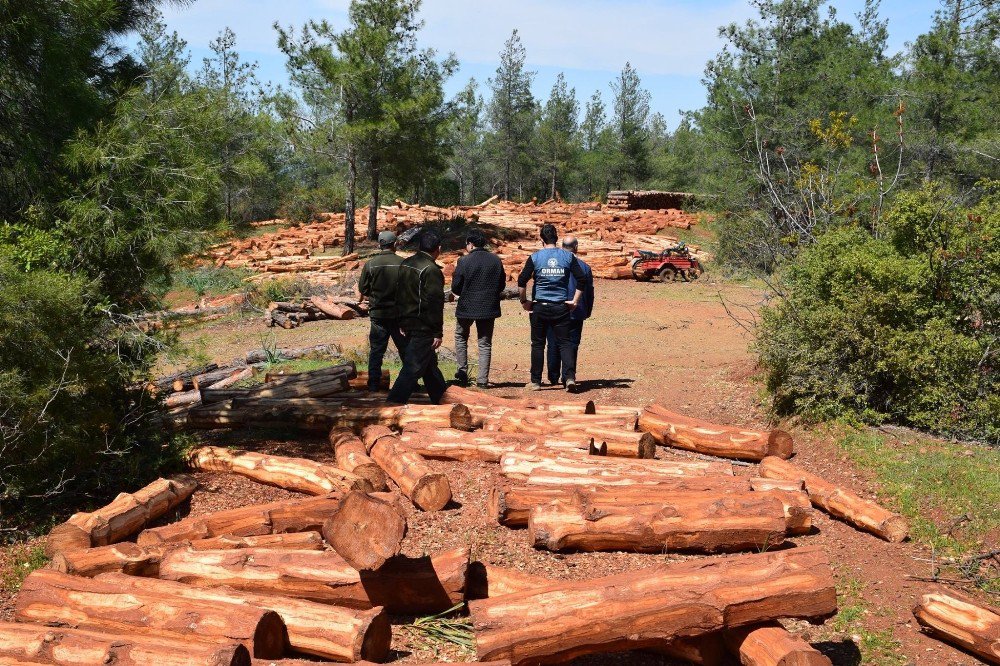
(330,632)
(271,355)
(772,645)
(967,624)
(683,432)
(840,502)
(123,517)
(352,456)
(299,474)
(519,465)
(360,383)
(333,310)
(181,381)
(181,399)
(58,599)
(652,607)
(790,485)
(448,444)
(429,490)
(618,479)
(84,647)
(403,585)
(365,530)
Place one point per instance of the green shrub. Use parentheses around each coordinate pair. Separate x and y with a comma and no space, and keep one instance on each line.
(901,326)
(204,280)
(281,289)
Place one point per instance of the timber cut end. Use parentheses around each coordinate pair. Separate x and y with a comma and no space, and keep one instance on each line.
(461,418)
(781,444)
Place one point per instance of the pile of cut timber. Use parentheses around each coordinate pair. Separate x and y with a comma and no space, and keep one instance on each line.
(291,315)
(649,199)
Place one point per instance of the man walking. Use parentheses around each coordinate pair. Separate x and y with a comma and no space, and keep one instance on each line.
(479,281)
(551,303)
(377,285)
(576,318)
(420,299)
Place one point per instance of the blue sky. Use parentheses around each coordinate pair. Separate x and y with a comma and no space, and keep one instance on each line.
(668,41)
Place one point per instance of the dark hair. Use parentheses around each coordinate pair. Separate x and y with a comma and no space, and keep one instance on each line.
(429,241)
(476,238)
(549,234)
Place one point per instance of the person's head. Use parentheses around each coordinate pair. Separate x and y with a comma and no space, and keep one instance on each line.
(549,234)
(386,240)
(475,239)
(430,242)
(571,243)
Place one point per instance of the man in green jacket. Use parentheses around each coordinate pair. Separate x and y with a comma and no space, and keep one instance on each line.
(377,285)
(420,299)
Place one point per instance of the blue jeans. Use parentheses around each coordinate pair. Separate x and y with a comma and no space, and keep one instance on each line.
(378,341)
(556,373)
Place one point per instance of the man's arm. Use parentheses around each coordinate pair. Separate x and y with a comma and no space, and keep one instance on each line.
(582,282)
(458,278)
(522,282)
(364,286)
(434,299)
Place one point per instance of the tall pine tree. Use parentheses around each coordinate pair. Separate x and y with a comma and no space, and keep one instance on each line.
(511,112)
(558,133)
(631,112)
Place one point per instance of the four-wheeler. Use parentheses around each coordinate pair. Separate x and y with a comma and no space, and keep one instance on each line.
(672,263)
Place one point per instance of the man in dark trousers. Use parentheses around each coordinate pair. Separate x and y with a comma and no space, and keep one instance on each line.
(551,303)
(576,318)
(479,281)
(420,300)
(377,285)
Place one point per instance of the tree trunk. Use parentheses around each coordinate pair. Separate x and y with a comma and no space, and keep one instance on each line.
(429,490)
(360,383)
(298,474)
(51,597)
(652,607)
(352,456)
(365,530)
(961,622)
(123,517)
(518,466)
(703,437)
(329,632)
(406,586)
(772,645)
(349,201)
(839,502)
(373,205)
(83,647)
(448,444)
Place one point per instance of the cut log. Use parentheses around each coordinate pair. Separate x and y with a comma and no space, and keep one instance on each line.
(651,607)
(352,456)
(840,502)
(365,530)
(236,377)
(360,383)
(84,647)
(772,645)
(206,379)
(682,432)
(299,474)
(181,381)
(790,485)
(448,444)
(518,466)
(329,632)
(123,517)
(428,490)
(181,399)
(58,599)
(145,561)
(266,355)
(408,586)
(333,310)
(962,622)
(543,477)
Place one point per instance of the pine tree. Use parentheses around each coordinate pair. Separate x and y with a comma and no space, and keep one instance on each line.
(558,132)
(466,162)
(511,112)
(597,138)
(631,113)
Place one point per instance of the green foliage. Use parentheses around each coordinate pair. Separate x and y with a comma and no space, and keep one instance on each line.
(211,281)
(631,115)
(24,559)
(558,133)
(512,116)
(466,137)
(281,289)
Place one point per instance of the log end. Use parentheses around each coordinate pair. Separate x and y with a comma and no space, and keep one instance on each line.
(270,639)
(780,444)
(432,492)
(373,433)
(461,418)
(66,537)
(365,530)
(375,638)
(895,529)
(590,407)
(647,446)
(374,474)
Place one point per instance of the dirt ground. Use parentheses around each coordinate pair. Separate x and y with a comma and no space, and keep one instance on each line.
(670,343)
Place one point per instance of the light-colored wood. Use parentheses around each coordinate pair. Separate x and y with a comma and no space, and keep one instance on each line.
(672,429)
(429,490)
(298,474)
(968,624)
(58,599)
(772,645)
(123,517)
(840,502)
(791,485)
(518,466)
(403,585)
(487,446)
(365,530)
(619,479)
(651,607)
(352,456)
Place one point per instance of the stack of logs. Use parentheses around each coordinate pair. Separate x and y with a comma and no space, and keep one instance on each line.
(648,199)
(292,315)
(320,576)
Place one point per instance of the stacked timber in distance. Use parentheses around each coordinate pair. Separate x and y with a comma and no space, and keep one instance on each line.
(648,200)
(292,315)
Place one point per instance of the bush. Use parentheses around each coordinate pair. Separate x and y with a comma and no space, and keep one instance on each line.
(899,326)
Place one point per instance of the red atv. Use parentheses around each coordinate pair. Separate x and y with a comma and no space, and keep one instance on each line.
(672,263)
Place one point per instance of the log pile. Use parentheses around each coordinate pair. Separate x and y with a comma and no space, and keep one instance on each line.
(292,315)
(648,199)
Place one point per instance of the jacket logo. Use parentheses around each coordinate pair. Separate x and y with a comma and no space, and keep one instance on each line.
(553,262)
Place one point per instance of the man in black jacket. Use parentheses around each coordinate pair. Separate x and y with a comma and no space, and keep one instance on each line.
(479,282)
(377,284)
(420,300)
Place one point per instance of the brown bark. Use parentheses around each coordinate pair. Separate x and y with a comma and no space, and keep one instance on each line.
(333,310)
(312,384)
(58,599)
(324,414)
(360,383)
(123,517)
(352,456)
(182,399)
(962,622)
(409,586)
(651,607)
(330,632)
(365,530)
(772,645)
(683,432)
(791,485)
(621,479)
(840,502)
(299,474)
(429,490)
(519,465)
(84,647)
(448,444)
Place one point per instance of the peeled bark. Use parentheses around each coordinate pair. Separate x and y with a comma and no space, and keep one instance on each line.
(772,645)
(791,485)
(961,622)
(83,647)
(683,432)
(448,444)
(330,632)
(429,490)
(408,586)
(617,479)
(365,530)
(352,456)
(51,597)
(652,607)
(519,465)
(840,502)
(123,517)
(298,474)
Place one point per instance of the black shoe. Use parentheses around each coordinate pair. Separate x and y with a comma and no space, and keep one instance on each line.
(554,382)
(461,379)
(483,385)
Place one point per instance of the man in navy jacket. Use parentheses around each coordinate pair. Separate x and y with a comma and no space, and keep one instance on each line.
(479,281)
(583,311)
